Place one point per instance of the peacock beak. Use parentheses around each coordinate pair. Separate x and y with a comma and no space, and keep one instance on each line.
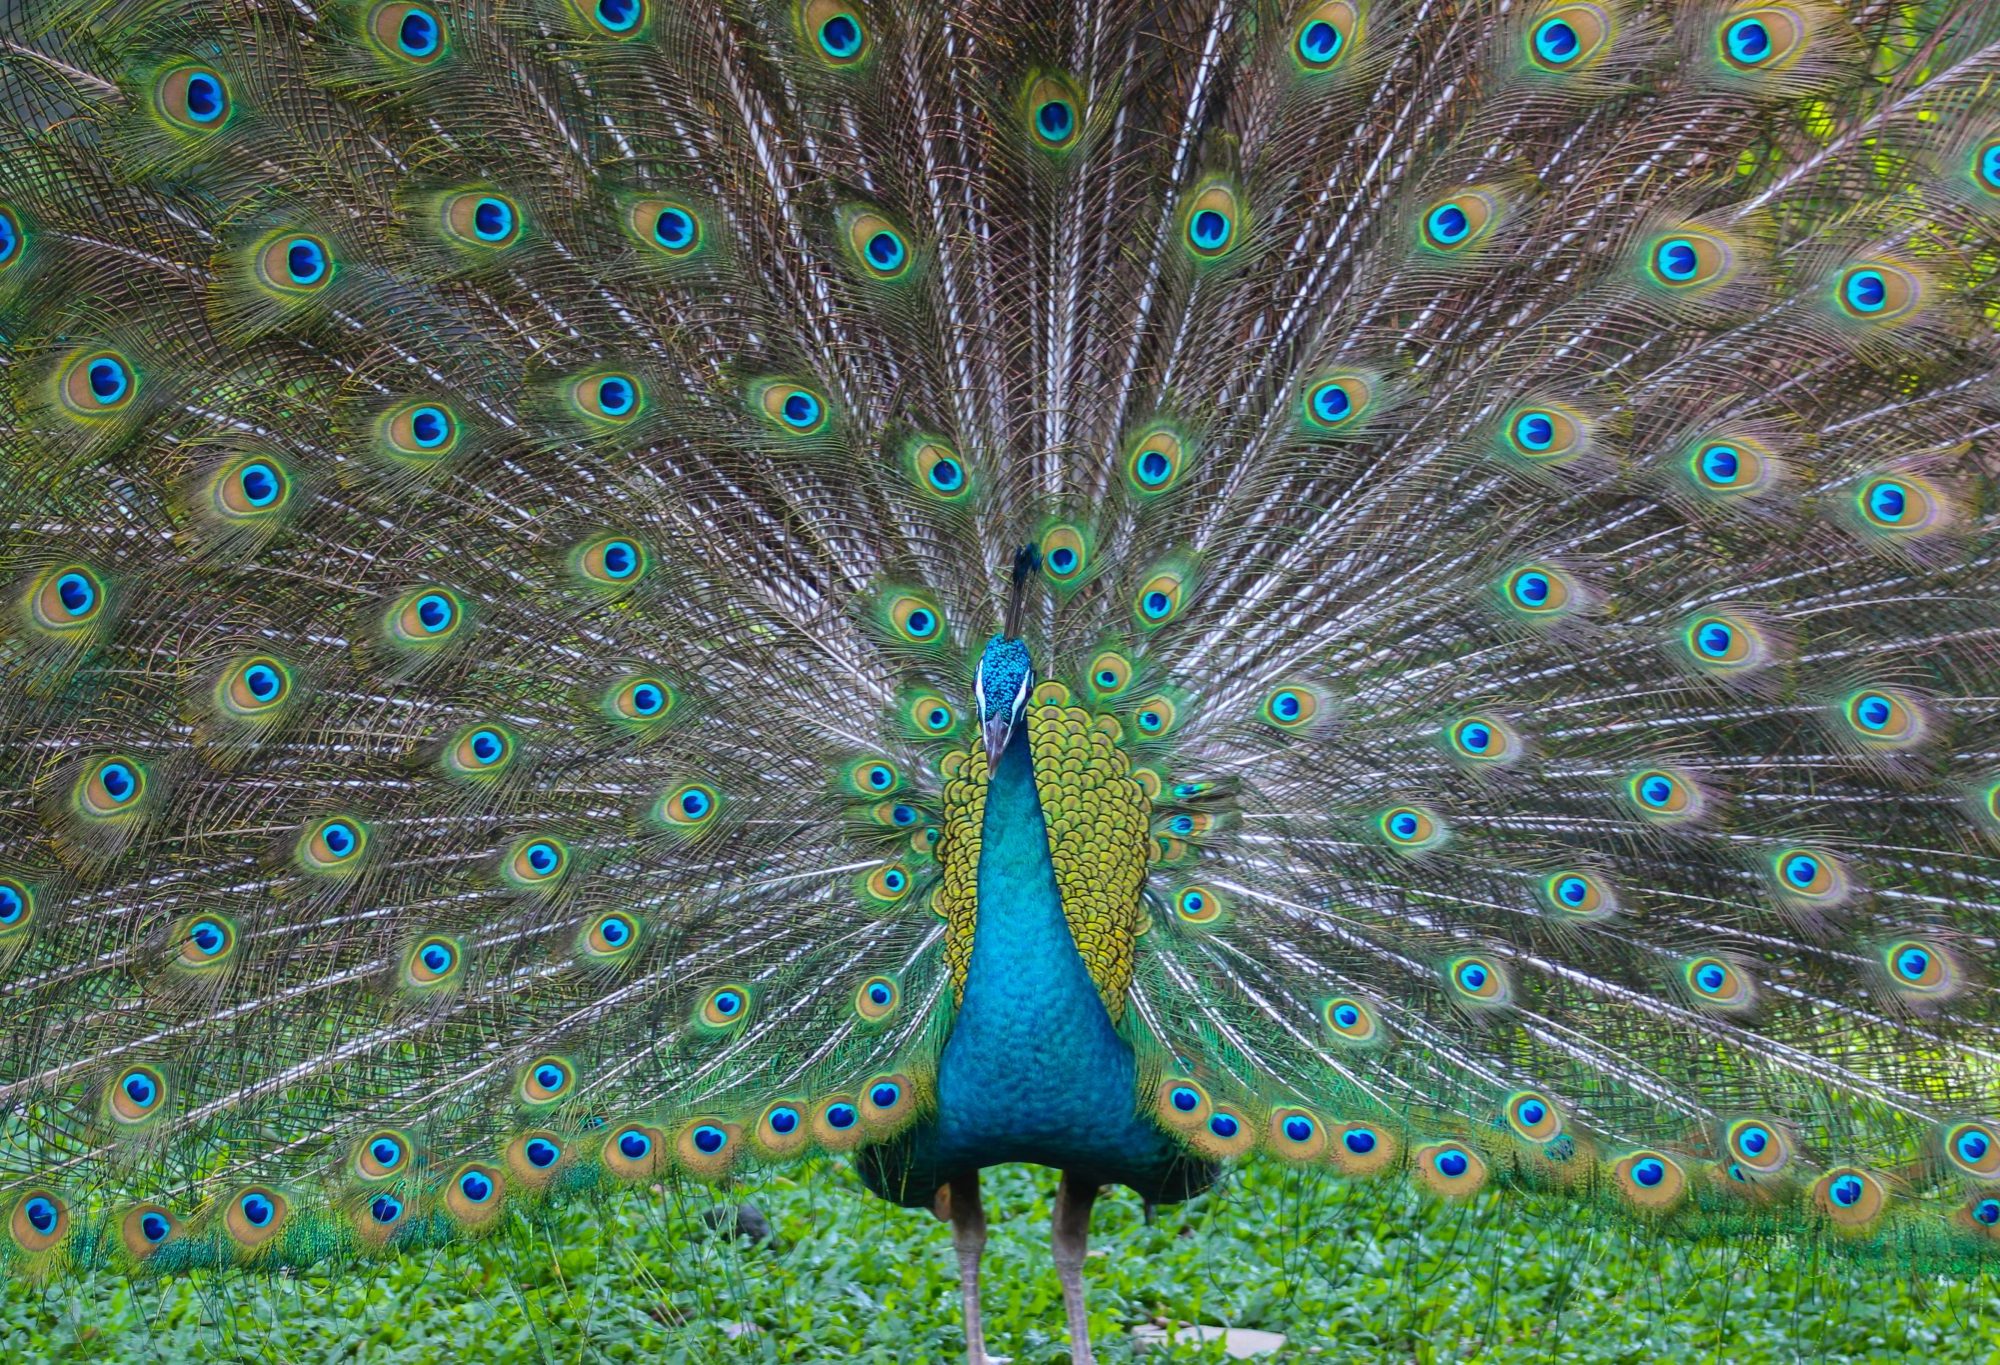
(996,729)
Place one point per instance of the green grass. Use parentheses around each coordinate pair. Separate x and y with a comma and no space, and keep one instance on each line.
(1353,1272)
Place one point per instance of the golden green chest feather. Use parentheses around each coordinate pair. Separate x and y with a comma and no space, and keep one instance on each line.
(1098,817)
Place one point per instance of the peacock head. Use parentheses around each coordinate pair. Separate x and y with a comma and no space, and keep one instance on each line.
(1006,676)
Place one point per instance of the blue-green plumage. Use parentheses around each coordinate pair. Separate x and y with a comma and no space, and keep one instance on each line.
(1034,1069)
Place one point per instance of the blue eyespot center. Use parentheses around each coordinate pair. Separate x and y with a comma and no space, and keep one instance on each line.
(1223,1126)
(801,408)
(646,699)
(305,262)
(487,746)
(1533,1112)
(1287,706)
(1715,639)
(338,838)
(885,1095)
(1535,430)
(1912,963)
(437,957)
(1656,790)
(879,993)
(117,781)
(1347,1016)
(1476,737)
(947,475)
(1987,1211)
(204,97)
(1055,119)
(1846,1191)
(1209,229)
(387,1153)
(1184,1099)
(259,483)
(618,15)
(257,1209)
(1298,1128)
(1801,870)
(1359,1141)
(1649,1172)
(542,1153)
(1331,403)
(709,1139)
(1556,41)
(1867,291)
(1973,1146)
(1677,259)
(1749,41)
(75,593)
(1448,223)
(840,36)
(1319,42)
(633,1144)
(1720,464)
(1453,1163)
(492,220)
(418,34)
(108,380)
(1532,588)
(842,1116)
(674,229)
(550,1078)
(615,396)
(614,930)
(784,1121)
(694,803)
(542,858)
(434,612)
(475,1186)
(920,623)
(1711,978)
(885,250)
(41,1213)
(1888,501)
(1404,825)
(1573,890)
(152,1226)
(386,1209)
(13,904)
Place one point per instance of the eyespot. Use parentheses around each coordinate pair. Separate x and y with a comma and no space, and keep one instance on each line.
(1569,39)
(1110,674)
(1326,35)
(886,885)
(192,98)
(620,19)
(725,1007)
(434,961)
(545,1081)
(1199,905)
(333,843)
(1579,895)
(1065,554)
(295,263)
(1483,739)
(1478,981)
(1876,292)
(837,1124)
(634,1150)
(1649,1180)
(1724,643)
(1716,982)
(413,33)
(13,238)
(1899,505)
(1729,468)
(1920,967)
(885,1101)
(667,226)
(136,1095)
(1985,169)
(1054,114)
(781,1129)
(1361,1149)
(1183,1104)
(1974,1148)
(427,617)
(1537,591)
(690,806)
(872,777)
(1451,225)
(1410,827)
(611,561)
(67,598)
(480,751)
(1883,718)
(255,1215)
(111,787)
(17,908)
(1533,1116)
(96,384)
(254,688)
(879,247)
(606,396)
(250,488)
(1352,1020)
(473,1194)
(483,219)
(1333,402)
(1687,260)
(1154,717)
(1155,460)
(838,36)
(1545,434)
(1290,707)
(534,1158)
(707,1147)
(382,1155)
(1760,1147)
(1809,874)
(421,431)
(1158,600)
(203,941)
(1664,796)
(1295,1134)
(793,409)
(642,699)
(1213,222)
(145,1228)
(916,620)
(40,1220)
(1768,37)
(537,861)
(1451,1169)
(936,469)
(876,998)
(1850,1196)
(932,715)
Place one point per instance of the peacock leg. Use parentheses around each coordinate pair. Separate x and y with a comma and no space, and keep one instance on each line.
(961,1204)
(1070,1241)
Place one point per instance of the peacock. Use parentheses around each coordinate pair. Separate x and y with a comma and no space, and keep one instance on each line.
(604,590)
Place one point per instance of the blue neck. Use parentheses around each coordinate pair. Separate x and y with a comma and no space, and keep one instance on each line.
(1034,1069)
